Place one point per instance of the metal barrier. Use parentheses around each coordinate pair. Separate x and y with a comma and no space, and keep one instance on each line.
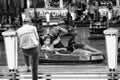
(8,75)
(63,75)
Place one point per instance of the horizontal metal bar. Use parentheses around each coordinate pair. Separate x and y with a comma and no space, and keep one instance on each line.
(5,77)
(80,73)
(117,77)
(62,73)
(68,73)
(58,77)
(76,77)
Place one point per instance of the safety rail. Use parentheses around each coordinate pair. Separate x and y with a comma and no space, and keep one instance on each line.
(62,72)
(8,75)
(62,75)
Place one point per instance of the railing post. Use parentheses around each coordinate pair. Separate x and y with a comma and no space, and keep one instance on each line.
(10,41)
(111,37)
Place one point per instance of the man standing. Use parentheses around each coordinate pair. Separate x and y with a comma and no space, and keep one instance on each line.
(29,43)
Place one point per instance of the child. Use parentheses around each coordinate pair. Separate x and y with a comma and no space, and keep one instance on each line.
(47,46)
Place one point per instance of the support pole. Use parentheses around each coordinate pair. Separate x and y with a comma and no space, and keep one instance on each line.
(10,40)
(111,38)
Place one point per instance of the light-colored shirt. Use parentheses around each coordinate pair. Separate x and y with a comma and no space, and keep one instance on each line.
(28,36)
(92,9)
(47,48)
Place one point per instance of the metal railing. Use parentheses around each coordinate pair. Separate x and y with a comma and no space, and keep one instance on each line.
(63,75)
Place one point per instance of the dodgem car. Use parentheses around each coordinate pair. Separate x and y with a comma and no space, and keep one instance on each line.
(77,55)
(48,56)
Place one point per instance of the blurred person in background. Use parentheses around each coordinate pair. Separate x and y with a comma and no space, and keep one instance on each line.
(92,11)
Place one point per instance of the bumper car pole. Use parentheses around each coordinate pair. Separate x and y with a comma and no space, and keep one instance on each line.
(111,38)
(10,40)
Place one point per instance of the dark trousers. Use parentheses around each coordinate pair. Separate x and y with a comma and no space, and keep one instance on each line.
(92,16)
(34,53)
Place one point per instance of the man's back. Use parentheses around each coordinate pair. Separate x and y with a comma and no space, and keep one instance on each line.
(28,37)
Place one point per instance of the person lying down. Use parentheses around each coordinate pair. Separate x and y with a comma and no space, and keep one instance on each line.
(48,48)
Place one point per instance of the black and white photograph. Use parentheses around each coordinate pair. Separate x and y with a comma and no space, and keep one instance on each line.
(59,39)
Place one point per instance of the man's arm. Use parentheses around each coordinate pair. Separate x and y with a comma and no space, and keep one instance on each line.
(62,29)
(56,41)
